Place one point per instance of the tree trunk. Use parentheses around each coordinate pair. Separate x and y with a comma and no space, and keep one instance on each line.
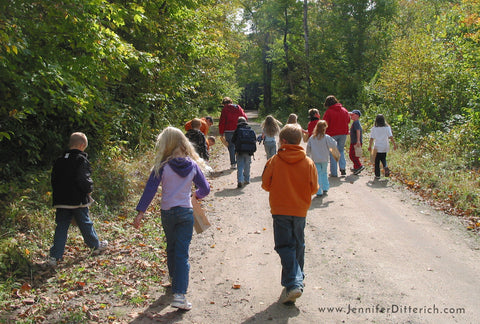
(267,76)
(307,45)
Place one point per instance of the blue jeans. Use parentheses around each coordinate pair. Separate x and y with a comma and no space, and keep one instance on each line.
(342,163)
(270,148)
(322,177)
(289,239)
(244,160)
(63,219)
(231,146)
(178,227)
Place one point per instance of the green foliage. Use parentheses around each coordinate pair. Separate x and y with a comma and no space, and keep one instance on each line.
(13,259)
(437,166)
(430,81)
(117,71)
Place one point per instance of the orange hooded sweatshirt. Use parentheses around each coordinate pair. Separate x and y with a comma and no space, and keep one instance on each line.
(291,178)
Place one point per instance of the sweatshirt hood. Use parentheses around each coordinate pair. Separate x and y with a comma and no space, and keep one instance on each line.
(232,107)
(181,166)
(336,106)
(291,153)
(75,152)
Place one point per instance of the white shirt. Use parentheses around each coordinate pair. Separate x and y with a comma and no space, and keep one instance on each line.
(381,136)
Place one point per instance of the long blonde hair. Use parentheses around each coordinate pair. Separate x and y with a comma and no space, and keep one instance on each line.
(320,129)
(271,126)
(172,143)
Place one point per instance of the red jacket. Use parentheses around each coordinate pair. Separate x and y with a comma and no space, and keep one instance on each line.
(229,118)
(337,119)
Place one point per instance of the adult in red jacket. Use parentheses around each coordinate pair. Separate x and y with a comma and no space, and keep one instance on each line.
(228,124)
(337,119)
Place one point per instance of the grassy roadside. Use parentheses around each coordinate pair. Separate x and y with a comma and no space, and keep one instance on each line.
(108,288)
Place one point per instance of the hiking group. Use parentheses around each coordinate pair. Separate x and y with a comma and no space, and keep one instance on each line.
(292,175)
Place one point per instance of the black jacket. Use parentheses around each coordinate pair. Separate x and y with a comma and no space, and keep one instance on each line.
(198,140)
(71,179)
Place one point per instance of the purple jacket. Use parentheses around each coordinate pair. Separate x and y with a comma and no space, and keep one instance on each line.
(176,178)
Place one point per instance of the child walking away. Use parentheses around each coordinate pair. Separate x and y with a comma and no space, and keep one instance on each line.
(291,179)
(245,141)
(196,137)
(356,134)
(175,168)
(271,128)
(381,133)
(318,149)
(314,116)
(71,187)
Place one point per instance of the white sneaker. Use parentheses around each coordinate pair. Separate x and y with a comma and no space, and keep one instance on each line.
(52,262)
(180,301)
(101,247)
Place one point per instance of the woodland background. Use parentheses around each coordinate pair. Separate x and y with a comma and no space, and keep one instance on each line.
(120,71)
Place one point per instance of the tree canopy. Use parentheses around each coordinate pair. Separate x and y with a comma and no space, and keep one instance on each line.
(122,70)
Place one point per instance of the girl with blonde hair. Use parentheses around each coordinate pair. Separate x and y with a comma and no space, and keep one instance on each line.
(270,129)
(176,167)
(293,119)
(318,149)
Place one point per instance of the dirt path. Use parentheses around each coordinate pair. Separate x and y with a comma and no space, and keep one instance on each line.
(374,254)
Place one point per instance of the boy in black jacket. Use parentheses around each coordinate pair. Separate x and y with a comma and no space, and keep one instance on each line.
(245,141)
(196,137)
(71,186)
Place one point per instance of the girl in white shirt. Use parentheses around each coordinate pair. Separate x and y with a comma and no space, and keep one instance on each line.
(381,133)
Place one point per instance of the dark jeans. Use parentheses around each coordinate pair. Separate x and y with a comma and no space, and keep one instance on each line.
(380,157)
(290,245)
(64,219)
(177,224)
(231,146)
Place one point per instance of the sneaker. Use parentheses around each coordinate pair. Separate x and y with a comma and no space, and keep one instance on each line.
(239,185)
(101,247)
(343,172)
(333,175)
(52,262)
(292,295)
(377,177)
(357,171)
(180,301)
(246,182)
(233,166)
(320,195)
(387,172)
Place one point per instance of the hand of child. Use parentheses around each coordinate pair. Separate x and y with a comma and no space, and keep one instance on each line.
(138,219)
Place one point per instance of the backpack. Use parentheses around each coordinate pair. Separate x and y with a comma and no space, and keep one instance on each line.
(246,141)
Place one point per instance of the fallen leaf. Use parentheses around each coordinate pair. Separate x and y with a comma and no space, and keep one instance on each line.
(25,287)
(236,286)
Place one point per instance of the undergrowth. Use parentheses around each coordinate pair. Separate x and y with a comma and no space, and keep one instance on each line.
(441,171)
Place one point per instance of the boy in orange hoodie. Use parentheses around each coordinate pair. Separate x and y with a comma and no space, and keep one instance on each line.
(291,178)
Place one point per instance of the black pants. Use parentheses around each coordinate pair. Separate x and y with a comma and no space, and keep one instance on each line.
(380,157)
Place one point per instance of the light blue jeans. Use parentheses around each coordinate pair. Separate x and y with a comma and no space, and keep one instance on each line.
(177,224)
(63,218)
(323,183)
(244,160)
(288,232)
(342,163)
(231,146)
(270,148)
